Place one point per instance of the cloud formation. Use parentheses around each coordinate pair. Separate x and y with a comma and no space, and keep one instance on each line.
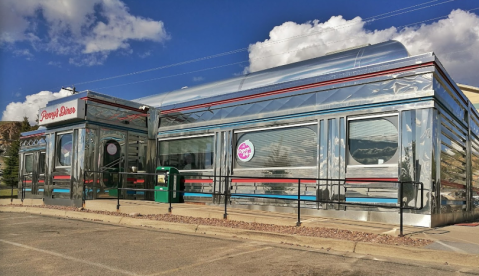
(15,111)
(90,30)
(454,39)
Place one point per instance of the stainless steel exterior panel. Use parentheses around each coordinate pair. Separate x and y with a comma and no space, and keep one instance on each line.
(115,116)
(316,101)
(378,53)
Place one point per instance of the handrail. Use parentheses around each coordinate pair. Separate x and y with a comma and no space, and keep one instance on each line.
(228,194)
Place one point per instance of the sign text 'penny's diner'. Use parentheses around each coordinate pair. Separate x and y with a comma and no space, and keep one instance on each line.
(71,110)
(59,112)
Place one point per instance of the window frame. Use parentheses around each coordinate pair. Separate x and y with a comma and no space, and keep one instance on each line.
(388,163)
(44,163)
(25,162)
(57,144)
(243,131)
(190,137)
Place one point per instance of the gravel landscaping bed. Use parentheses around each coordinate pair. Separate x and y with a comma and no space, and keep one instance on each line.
(321,232)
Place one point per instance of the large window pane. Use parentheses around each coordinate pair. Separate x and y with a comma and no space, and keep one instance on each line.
(188,154)
(373,141)
(284,147)
(28,163)
(64,149)
(41,163)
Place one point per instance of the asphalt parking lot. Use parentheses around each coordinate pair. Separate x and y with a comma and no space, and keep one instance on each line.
(42,245)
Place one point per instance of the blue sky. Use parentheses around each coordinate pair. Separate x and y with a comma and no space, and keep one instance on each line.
(45,45)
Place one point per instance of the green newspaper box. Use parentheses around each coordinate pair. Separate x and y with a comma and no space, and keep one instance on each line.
(168,179)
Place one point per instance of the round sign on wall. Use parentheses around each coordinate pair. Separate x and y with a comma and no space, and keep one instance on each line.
(245,151)
(111,149)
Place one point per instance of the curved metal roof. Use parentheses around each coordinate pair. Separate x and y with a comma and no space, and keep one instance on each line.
(349,59)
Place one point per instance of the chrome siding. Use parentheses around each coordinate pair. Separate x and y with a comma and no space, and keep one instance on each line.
(50,163)
(90,161)
(474,146)
(310,101)
(79,165)
(416,156)
(115,116)
(457,147)
(361,57)
(453,165)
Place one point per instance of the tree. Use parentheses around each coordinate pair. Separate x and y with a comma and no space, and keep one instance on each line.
(11,173)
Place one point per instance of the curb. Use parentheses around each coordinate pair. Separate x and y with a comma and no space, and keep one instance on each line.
(402,252)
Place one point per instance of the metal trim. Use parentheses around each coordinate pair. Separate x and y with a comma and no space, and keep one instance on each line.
(273,127)
(277,168)
(184,137)
(350,118)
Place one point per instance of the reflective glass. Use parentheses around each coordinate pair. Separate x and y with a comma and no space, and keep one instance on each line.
(41,163)
(373,141)
(28,163)
(284,147)
(64,149)
(187,154)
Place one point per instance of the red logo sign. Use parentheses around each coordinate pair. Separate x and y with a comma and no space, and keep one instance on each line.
(57,113)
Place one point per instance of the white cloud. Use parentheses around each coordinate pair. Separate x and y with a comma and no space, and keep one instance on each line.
(454,39)
(15,111)
(145,54)
(82,28)
(23,52)
(55,63)
(198,78)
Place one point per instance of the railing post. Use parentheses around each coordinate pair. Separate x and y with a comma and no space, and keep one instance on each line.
(83,194)
(298,223)
(225,215)
(401,210)
(118,197)
(169,196)
(22,188)
(11,197)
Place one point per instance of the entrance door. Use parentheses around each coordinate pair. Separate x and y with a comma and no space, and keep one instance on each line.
(112,164)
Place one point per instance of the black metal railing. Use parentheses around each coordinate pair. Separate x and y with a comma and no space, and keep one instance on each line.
(21,190)
(227,194)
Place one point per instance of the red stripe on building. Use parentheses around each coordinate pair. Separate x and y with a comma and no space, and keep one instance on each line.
(198,180)
(33,135)
(301,87)
(61,177)
(269,180)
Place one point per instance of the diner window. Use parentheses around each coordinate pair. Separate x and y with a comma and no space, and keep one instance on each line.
(41,163)
(188,154)
(28,163)
(64,149)
(282,147)
(373,141)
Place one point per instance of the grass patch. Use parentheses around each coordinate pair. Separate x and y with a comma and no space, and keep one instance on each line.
(8,192)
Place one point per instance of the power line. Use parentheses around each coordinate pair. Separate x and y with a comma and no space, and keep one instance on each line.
(265,44)
(269,56)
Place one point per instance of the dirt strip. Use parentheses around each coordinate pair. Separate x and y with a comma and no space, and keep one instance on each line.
(320,232)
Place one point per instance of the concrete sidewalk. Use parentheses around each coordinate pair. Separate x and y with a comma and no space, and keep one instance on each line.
(452,244)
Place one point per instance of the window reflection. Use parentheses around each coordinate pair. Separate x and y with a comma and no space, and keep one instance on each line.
(373,141)
(64,150)
(284,147)
(41,163)
(28,163)
(188,154)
